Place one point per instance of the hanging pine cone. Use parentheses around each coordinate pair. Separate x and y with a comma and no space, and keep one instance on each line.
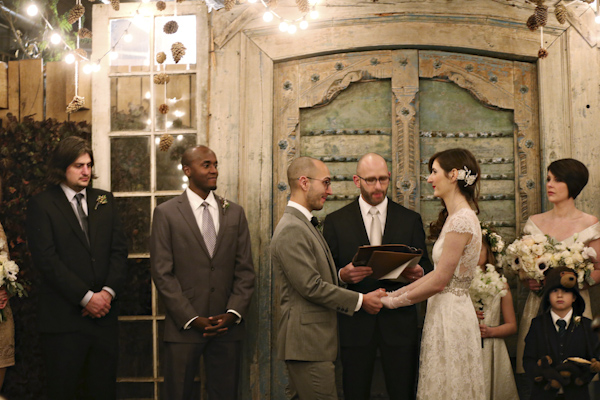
(166,140)
(561,13)
(84,33)
(163,108)
(228,4)
(161,5)
(75,13)
(541,15)
(542,53)
(180,1)
(161,57)
(170,27)
(178,51)
(303,6)
(81,53)
(75,104)
(532,23)
(116,4)
(162,78)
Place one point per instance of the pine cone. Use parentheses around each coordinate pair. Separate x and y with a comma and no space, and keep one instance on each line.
(561,13)
(543,53)
(162,78)
(541,15)
(161,5)
(161,57)
(178,51)
(228,4)
(81,53)
(163,108)
(170,27)
(532,23)
(85,33)
(303,6)
(166,140)
(75,13)
(271,3)
(180,1)
(116,4)
(75,104)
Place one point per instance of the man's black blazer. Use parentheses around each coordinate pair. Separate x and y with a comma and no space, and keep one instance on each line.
(68,264)
(345,231)
(542,340)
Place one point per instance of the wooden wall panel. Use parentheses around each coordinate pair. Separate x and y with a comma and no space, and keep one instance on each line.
(56,80)
(13,91)
(3,85)
(31,89)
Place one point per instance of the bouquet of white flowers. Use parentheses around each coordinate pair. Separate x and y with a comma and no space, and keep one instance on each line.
(531,255)
(8,279)
(495,241)
(486,285)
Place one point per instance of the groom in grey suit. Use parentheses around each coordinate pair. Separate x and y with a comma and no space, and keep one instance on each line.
(202,267)
(310,296)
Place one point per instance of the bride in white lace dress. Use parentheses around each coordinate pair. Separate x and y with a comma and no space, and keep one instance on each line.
(451,366)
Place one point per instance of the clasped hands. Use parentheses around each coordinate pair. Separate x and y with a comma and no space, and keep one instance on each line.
(98,306)
(217,325)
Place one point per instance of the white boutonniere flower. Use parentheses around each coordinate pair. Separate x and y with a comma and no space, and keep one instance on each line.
(100,200)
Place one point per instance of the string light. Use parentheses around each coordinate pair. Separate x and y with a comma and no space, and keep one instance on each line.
(70,58)
(55,38)
(283,26)
(268,16)
(127,37)
(314,14)
(32,10)
(303,24)
(290,25)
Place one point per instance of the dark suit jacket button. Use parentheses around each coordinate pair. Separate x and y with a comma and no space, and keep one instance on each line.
(212,289)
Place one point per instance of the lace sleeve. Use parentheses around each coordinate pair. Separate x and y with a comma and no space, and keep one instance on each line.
(464,221)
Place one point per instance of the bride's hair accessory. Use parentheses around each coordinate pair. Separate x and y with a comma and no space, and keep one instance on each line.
(465,175)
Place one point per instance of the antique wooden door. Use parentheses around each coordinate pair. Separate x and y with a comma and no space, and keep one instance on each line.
(406,105)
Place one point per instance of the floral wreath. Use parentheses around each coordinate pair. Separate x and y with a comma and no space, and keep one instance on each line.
(495,241)
(466,175)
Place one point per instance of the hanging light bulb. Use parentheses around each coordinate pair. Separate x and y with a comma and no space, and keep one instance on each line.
(127,37)
(314,14)
(70,58)
(87,69)
(303,24)
(291,29)
(268,16)
(55,38)
(283,26)
(252,1)
(96,67)
(597,19)
(114,55)
(32,10)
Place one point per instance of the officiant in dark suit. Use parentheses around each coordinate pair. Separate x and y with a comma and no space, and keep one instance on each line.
(374,219)
(77,243)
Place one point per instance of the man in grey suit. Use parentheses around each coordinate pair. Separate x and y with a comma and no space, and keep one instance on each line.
(310,296)
(202,267)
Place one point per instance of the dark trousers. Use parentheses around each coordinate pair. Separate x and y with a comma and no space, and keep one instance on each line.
(81,365)
(400,366)
(222,365)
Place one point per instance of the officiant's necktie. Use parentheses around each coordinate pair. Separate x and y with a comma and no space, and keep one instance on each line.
(83,219)
(376,230)
(562,324)
(208,230)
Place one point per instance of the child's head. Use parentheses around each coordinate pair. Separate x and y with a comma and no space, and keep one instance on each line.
(561,292)
(487,255)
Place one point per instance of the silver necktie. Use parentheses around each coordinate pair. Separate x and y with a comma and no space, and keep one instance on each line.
(83,219)
(208,230)
(376,231)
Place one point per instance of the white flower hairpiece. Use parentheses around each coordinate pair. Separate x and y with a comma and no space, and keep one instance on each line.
(465,175)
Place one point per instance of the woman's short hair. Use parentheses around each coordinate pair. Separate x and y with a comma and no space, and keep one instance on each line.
(572,172)
(66,153)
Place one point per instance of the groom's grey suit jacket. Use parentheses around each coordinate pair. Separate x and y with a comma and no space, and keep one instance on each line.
(310,295)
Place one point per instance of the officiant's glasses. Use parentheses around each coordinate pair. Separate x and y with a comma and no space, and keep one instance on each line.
(373,180)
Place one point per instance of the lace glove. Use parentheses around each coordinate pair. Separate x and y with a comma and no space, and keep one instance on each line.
(397,298)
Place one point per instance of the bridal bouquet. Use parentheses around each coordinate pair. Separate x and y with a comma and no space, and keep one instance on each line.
(486,285)
(531,255)
(8,279)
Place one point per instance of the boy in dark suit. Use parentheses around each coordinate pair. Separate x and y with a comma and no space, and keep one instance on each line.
(560,332)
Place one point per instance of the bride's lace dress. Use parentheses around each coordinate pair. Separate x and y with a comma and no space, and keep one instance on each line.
(451,359)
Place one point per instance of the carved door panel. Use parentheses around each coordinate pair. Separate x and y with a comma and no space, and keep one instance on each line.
(406,105)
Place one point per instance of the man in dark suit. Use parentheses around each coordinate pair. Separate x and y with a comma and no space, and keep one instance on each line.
(374,219)
(202,267)
(310,296)
(77,243)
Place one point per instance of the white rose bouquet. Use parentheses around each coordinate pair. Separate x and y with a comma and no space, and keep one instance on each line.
(486,285)
(530,255)
(8,279)
(495,241)
(577,257)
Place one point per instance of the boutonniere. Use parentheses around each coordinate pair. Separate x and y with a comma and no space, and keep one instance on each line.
(576,321)
(224,205)
(100,200)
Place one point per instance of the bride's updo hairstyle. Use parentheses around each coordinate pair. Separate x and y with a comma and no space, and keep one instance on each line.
(468,182)
(572,172)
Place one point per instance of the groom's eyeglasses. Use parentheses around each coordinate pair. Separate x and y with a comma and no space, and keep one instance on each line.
(326,182)
(373,180)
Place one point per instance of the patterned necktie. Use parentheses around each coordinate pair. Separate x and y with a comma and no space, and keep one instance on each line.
(562,324)
(375,227)
(208,230)
(83,219)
